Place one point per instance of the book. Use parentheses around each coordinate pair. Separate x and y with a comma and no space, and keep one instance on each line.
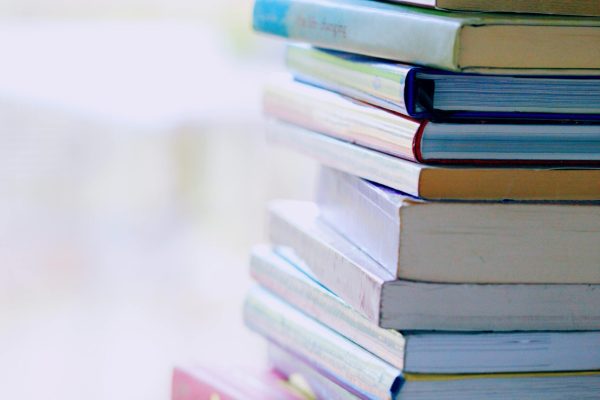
(295,370)
(424,141)
(470,42)
(403,304)
(440,182)
(231,383)
(561,7)
(368,377)
(427,93)
(425,352)
(463,243)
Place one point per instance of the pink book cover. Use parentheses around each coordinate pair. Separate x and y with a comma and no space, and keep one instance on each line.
(220,383)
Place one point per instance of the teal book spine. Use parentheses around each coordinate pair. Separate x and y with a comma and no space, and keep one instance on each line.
(417,36)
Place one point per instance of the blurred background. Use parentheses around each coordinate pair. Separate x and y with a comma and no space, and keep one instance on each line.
(134,178)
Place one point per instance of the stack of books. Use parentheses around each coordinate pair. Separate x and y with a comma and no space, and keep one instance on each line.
(452,250)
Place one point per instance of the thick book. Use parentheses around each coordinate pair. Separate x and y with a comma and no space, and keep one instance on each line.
(445,96)
(475,42)
(368,377)
(210,383)
(424,141)
(425,352)
(463,243)
(584,8)
(416,305)
(440,182)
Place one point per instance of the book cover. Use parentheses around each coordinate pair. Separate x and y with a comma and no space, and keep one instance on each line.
(451,41)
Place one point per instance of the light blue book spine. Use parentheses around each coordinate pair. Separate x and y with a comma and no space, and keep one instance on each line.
(364,27)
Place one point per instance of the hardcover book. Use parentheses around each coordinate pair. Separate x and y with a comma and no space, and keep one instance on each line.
(440,182)
(368,377)
(427,93)
(423,141)
(463,242)
(476,42)
(417,305)
(425,352)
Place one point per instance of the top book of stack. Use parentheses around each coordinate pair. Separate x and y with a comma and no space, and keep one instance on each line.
(525,44)
(558,7)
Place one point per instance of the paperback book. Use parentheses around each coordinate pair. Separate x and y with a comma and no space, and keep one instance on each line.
(401,304)
(482,242)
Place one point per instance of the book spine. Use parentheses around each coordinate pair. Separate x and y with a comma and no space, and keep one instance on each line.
(364,27)
(357,368)
(369,221)
(417,144)
(298,289)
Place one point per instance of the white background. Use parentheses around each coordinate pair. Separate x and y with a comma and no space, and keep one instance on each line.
(133,182)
